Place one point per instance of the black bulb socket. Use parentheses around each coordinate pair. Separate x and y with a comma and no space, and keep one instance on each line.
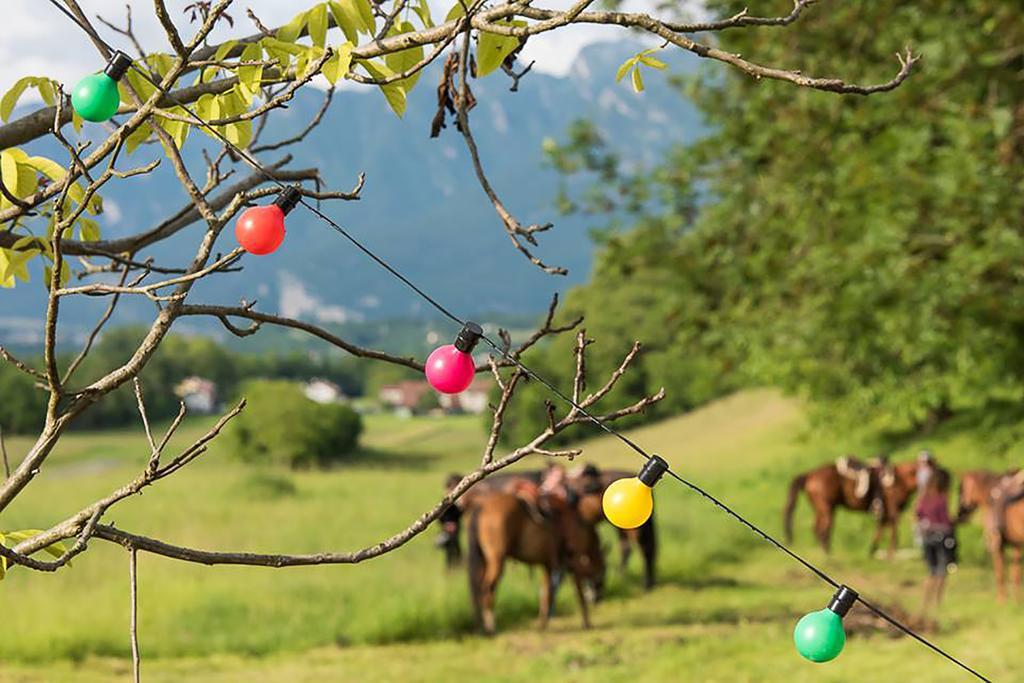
(652,471)
(118,66)
(288,199)
(843,600)
(469,335)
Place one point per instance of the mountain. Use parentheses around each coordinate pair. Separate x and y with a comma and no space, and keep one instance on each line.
(421,209)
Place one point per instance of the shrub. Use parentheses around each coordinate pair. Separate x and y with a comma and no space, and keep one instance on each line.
(281,426)
(22,405)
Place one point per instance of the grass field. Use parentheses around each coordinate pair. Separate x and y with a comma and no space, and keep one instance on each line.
(724,609)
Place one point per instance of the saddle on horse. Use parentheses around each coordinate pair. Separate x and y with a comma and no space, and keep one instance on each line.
(870,479)
(1007,491)
(850,467)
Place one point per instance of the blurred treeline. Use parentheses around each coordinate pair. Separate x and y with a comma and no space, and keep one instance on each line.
(866,253)
(23,407)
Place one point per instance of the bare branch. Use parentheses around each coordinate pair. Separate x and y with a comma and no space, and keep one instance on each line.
(173,37)
(223,312)
(3,452)
(133,628)
(30,371)
(95,330)
(305,131)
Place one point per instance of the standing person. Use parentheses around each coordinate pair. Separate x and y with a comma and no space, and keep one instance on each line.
(938,539)
(925,468)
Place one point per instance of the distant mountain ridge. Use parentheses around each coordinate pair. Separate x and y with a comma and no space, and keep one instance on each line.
(421,208)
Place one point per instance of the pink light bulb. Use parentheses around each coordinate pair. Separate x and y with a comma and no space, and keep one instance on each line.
(450,368)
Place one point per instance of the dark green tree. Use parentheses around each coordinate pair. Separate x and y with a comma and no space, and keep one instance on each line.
(862,252)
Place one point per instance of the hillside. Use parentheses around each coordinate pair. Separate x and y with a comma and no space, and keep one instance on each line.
(724,609)
(422,208)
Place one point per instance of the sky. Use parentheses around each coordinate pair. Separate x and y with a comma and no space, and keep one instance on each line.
(40,41)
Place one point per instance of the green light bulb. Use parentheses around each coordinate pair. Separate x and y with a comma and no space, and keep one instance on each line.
(819,636)
(95,97)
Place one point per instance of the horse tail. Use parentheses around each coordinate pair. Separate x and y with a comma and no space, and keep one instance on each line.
(795,487)
(475,562)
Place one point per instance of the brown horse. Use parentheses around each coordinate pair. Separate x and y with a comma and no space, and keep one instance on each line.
(502,526)
(977,492)
(887,492)
(898,486)
(587,481)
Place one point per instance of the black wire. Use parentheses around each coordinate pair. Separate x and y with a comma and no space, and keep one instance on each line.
(924,641)
(521,366)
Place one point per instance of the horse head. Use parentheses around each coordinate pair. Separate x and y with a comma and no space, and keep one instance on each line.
(897,483)
(975,491)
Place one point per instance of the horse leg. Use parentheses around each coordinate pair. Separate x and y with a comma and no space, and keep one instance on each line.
(489,588)
(1016,573)
(823,527)
(625,548)
(581,594)
(877,540)
(997,565)
(545,599)
(894,530)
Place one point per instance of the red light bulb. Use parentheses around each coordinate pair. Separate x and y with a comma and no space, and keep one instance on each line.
(260,229)
(450,368)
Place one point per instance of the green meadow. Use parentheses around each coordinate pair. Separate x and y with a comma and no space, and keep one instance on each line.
(723,611)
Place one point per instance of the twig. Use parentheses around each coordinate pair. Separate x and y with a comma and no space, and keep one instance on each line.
(95,330)
(3,451)
(133,582)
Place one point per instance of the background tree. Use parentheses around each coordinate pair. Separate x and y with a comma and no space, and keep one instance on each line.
(861,252)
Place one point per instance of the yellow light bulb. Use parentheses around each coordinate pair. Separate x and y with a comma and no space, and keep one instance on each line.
(628,503)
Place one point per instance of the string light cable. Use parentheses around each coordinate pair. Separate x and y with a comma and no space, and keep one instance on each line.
(654,465)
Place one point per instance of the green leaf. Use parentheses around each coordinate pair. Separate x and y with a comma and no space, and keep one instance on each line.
(140,84)
(457,10)
(136,138)
(393,92)
(250,77)
(422,10)
(347,18)
(44,85)
(404,60)
(88,230)
(178,130)
(366,13)
(638,80)
(624,69)
(55,172)
(492,49)
(65,275)
(354,17)
(17,264)
(653,63)
(13,538)
(160,62)
(317,18)
(9,172)
(223,49)
(338,65)
(290,31)
(18,176)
